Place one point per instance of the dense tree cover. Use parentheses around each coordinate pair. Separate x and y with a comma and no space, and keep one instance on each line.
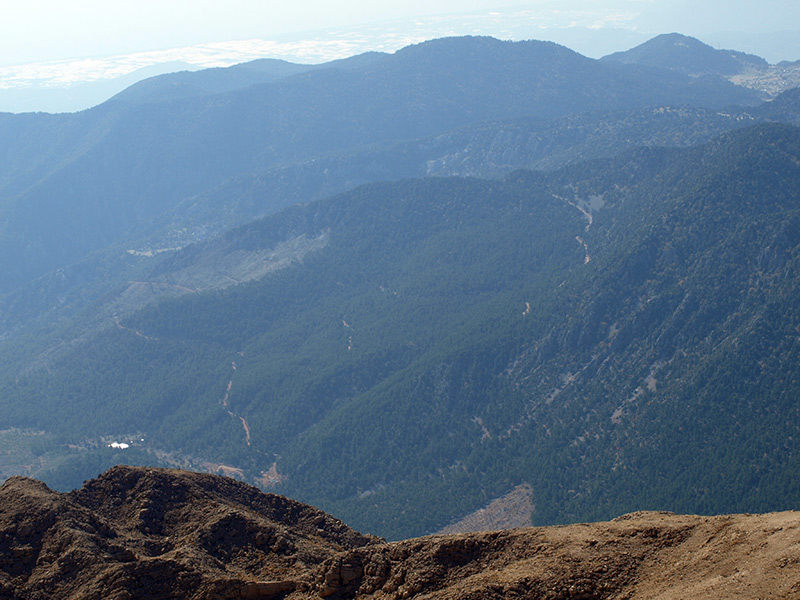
(72,184)
(675,301)
(416,253)
(489,149)
(486,149)
(451,341)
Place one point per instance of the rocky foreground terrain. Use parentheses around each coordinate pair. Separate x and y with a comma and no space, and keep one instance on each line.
(152,533)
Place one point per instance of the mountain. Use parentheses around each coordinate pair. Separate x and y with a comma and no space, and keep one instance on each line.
(160,534)
(73,184)
(609,334)
(617,334)
(45,95)
(210,82)
(679,53)
(687,55)
(488,149)
(167,534)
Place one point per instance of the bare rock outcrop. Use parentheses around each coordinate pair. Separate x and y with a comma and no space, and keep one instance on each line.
(153,533)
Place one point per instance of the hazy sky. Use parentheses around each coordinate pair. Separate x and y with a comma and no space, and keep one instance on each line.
(34,30)
(49,46)
(37,30)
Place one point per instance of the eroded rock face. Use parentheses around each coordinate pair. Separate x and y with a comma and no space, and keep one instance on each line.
(152,533)
(522,563)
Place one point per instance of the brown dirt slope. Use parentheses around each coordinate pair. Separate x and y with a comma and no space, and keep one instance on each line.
(152,533)
(640,556)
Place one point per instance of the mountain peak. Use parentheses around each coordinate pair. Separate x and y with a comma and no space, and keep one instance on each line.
(686,54)
(485,43)
(160,533)
(169,497)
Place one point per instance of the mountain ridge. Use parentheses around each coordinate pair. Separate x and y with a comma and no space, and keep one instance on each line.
(117,166)
(169,533)
(486,150)
(159,533)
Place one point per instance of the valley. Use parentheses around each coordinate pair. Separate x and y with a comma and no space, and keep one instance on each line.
(471,284)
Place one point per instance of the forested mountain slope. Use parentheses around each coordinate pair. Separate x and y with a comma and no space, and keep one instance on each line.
(619,334)
(489,149)
(75,183)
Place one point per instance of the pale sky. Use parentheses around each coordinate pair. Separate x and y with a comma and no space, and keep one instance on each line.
(51,45)
(39,30)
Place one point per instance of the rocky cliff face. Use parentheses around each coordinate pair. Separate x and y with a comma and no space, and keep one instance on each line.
(150,533)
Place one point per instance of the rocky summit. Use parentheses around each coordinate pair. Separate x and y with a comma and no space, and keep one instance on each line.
(155,533)
(150,533)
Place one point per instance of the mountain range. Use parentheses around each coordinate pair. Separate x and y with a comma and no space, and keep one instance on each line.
(401,287)
(89,178)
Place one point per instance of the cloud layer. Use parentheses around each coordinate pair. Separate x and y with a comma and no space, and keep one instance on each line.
(321,46)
